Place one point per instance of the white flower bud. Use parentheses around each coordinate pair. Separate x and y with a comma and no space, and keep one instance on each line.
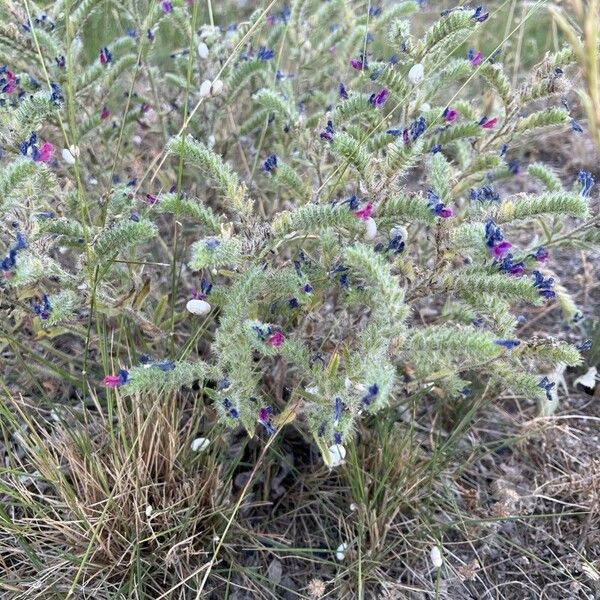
(200,444)
(202,50)
(205,88)
(416,74)
(371,229)
(198,307)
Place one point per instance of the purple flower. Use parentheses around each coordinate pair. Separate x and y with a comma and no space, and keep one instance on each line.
(43,309)
(327,133)
(60,61)
(378,99)
(359,63)
(105,56)
(501,248)
(337,438)
(166,6)
(541,255)
(264,418)
(511,268)
(205,288)
(475,58)
(493,233)
(343,92)
(437,206)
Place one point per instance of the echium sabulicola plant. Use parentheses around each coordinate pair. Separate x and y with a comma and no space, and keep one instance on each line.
(327,172)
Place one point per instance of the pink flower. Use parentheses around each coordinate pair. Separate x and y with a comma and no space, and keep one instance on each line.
(276,339)
(105,113)
(365,213)
(111,381)
(10,83)
(501,248)
(445,213)
(46,151)
(488,123)
(476,59)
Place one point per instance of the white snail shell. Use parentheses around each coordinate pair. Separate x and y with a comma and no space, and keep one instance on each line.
(198,307)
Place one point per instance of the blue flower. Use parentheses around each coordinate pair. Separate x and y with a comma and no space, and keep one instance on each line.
(56,97)
(337,438)
(212,244)
(293,303)
(485,193)
(587,182)
(338,409)
(584,346)
(165,365)
(343,92)
(270,164)
(547,385)
(436,148)
(509,344)
(265,53)
(543,284)
(307,289)
(43,309)
(479,16)
(372,392)
(576,127)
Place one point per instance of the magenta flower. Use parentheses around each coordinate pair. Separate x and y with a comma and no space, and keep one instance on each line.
(475,58)
(378,99)
(105,113)
(114,381)
(111,381)
(276,339)
(445,212)
(488,123)
(450,114)
(10,82)
(501,248)
(45,152)
(365,213)
(105,56)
